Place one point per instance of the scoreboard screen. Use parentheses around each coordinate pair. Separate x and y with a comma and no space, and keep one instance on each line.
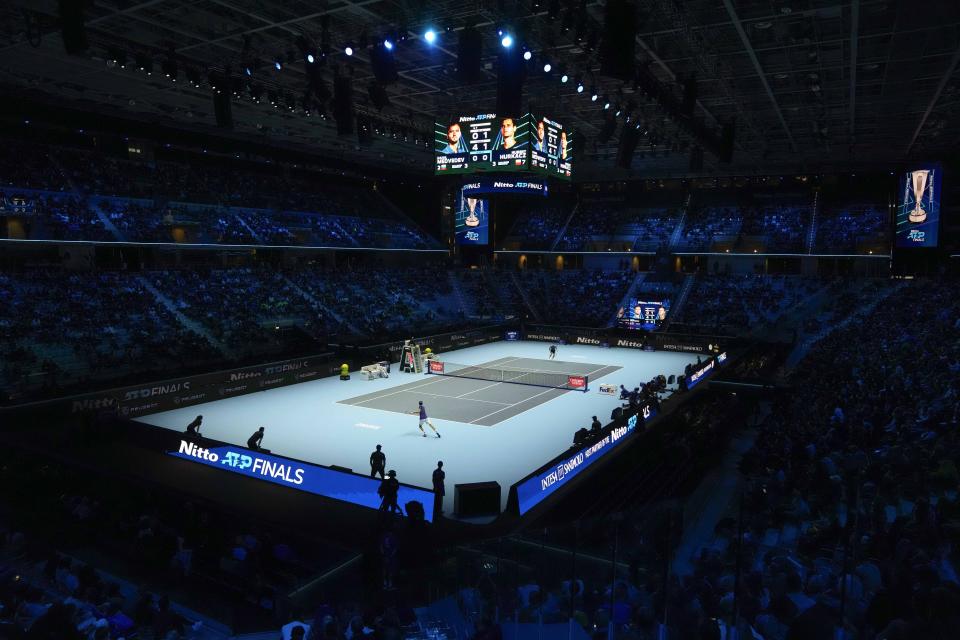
(551,147)
(490,142)
(643,314)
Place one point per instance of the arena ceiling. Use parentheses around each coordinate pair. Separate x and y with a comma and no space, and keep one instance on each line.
(813,85)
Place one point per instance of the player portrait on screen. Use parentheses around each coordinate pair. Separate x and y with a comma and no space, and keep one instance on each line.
(508,134)
(454,141)
(538,143)
(563,145)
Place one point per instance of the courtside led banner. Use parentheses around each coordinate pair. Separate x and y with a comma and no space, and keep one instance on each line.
(293,474)
(536,489)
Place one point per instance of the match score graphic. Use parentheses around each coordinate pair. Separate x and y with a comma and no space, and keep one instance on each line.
(643,314)
(551,147)
(918,210)
(491,142)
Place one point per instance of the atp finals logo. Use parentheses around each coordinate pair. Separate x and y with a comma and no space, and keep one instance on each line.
(243,463)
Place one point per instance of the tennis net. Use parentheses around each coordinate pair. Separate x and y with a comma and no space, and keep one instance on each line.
(571,381)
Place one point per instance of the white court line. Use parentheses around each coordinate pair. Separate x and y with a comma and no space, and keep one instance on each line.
(538,395)
(515,403)
(440,395)
(480,389)
(387,395)
(364,425)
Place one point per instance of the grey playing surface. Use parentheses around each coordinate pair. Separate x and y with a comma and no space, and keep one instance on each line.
(478,402)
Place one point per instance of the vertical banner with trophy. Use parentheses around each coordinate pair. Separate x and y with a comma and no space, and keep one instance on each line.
(472,219)
(918,213)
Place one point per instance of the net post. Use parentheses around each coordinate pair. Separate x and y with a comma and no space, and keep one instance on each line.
(586,383)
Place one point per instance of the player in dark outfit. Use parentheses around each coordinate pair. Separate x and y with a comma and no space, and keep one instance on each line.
(378,462)
(424,420)
(553,351)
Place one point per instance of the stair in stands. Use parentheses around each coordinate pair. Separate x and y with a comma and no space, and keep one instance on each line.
(566,224)
(243,223)
(641,276)
(467,309)
(192,325)
(313,300)
(677,234)
(677,308)
(107,222)
(523,296)
(812,233)
(104,219)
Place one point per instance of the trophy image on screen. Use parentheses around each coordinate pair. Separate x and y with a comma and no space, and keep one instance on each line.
(919,184)
(472,220)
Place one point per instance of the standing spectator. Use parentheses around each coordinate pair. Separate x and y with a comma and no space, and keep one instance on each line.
(439,475)
(378,462)
(388,491)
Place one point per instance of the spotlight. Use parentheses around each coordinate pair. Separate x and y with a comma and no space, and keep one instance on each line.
(564,78)
(430,36)
(547,67)
(579,87)
(507,41)
(310,58)
(527,55)
(593,97)
(278,64)
(606,103)
(388,45)
(348,50)
(248,71)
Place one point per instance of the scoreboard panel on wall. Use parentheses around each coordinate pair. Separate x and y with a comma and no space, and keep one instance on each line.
(552,148)
(492,142)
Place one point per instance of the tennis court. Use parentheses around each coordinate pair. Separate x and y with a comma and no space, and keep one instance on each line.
(482,400)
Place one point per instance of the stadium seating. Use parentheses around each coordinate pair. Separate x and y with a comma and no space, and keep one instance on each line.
(737,302)
(843,226)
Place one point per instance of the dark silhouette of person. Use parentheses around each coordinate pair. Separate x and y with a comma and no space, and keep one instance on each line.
(378,462)
(193,429)
(254,441)
(595,426)
(388,491)
(439,475)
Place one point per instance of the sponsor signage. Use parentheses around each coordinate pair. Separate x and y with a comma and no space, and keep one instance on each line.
(705,371)
(436,366)
(511,335)
(577,382)
(300,476)
(544,337)
(608,389)
(534,490)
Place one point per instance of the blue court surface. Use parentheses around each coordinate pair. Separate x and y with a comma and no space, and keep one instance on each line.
(490,430)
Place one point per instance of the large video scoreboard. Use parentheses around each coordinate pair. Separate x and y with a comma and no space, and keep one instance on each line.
(490,142)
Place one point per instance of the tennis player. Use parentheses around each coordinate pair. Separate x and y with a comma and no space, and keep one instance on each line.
(553,351)
(424,420)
